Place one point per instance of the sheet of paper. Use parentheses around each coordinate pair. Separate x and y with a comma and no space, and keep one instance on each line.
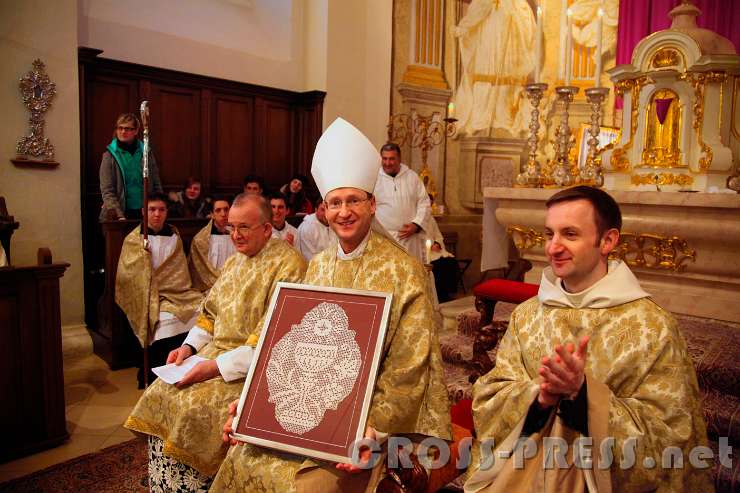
(172,373)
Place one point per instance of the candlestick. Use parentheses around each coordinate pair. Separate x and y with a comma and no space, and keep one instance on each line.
(532,177)
(538,48)
(592,173)
(451,110)
(561,174)
(569,47)
(597,55)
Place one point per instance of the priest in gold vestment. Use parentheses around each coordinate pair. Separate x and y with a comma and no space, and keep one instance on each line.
(153,286)
(184,421)
(591,356)
(410,397)
(210,248)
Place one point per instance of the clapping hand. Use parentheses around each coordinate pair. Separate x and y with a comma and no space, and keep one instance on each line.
(562,373)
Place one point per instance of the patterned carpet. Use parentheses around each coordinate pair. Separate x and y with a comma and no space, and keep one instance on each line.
(121,468)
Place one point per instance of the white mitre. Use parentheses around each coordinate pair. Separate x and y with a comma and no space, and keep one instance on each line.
(344,157)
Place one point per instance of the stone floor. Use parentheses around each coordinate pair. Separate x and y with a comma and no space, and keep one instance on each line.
(98,400)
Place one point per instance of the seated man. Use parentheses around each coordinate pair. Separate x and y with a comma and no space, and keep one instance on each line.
(254,185)
(410,396)
(314,234)
(281,229)
(591,356)
(184,421)
(153,287)
(211,247)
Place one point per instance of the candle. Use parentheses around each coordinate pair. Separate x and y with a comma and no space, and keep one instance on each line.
(569,47)
(429,251)
(599,30)
(538,47)
(451,110)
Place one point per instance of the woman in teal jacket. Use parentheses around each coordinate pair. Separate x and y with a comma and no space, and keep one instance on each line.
(121,180)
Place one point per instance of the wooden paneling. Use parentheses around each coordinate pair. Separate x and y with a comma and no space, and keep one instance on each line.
(233,155)
(213,129)
(176,133)
(275,151)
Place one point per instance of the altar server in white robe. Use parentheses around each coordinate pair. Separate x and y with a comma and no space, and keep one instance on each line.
(282,229)
(403,206)
(314,234)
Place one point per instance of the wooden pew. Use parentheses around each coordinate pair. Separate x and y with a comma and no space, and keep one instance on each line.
(31,370)
(113,339)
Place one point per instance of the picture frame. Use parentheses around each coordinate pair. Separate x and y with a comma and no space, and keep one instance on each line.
(607,135)
(309,388)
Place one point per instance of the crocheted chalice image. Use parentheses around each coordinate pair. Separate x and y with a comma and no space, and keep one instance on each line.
(313,368)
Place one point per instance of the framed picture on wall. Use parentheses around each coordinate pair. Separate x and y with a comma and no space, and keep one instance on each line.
(309,388)
(607,135)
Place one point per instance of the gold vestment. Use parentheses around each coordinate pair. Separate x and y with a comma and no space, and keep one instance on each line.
(202,273)
(640,383)
(142,294)
(410,396)
(189,420)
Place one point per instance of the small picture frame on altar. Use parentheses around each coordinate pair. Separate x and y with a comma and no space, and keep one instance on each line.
(312,377)
(607,135)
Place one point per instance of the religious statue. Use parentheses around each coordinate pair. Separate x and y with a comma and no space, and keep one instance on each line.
(497,51)
(585,23)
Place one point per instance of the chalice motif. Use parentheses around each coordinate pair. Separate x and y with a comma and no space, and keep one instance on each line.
(313,368)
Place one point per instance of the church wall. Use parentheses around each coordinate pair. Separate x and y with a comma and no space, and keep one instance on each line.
(358,65)
(255,41)
(46,202)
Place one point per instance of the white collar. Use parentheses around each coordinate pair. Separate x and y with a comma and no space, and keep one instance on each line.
(357,252)
(617,287)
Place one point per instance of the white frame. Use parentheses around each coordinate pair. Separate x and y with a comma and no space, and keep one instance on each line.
(372,375)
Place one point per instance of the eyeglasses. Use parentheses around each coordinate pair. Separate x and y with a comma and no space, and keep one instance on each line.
(243,229)
(126,129)
(352,203)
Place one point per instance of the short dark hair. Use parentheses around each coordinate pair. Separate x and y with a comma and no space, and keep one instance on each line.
(159,197)
(606,210)
(222,198)
(277,196)
(391,146)
(254,179)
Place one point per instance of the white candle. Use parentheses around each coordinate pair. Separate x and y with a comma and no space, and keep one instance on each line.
(569,47)
(451,110)
(429,251)
(599,30)
(538,47)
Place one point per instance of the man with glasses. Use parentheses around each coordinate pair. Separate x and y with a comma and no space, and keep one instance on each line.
(409,397)
(183,421)
(211,247)
(121,178)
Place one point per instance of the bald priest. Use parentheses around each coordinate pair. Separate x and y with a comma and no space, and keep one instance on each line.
(183,421)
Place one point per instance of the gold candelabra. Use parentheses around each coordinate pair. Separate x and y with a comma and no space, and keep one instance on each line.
(532,175)
(423,133)
(592,173)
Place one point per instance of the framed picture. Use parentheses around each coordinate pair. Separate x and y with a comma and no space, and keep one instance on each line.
(309,388)
(607,135)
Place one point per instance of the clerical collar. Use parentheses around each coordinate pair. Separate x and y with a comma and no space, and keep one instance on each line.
(357,252)
(216,231)
(165,231)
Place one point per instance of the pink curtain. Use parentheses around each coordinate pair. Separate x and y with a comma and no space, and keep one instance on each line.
(639,18)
